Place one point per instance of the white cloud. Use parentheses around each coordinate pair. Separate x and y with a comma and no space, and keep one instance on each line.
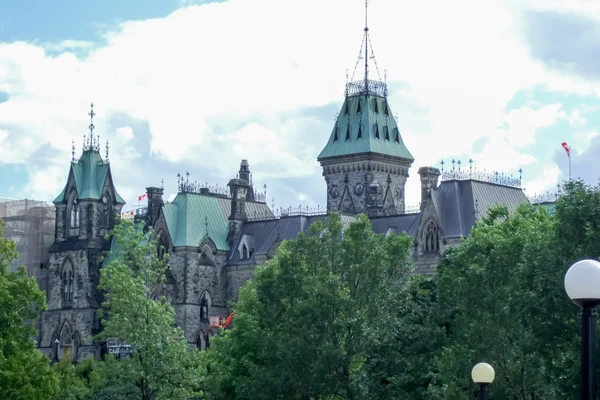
(219,82)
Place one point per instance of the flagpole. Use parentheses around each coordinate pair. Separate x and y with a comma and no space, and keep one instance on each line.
(569,165)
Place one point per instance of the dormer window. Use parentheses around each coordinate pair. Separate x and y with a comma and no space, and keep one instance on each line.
(375,106)
(244,252)
(386,110)
(387,134)
(348,132)
(335,134)
(346,109)
(358,109)
(377,131)
(397,137)
(74,214)
(359,131)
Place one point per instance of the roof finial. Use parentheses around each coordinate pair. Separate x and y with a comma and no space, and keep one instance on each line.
(107,151)
(73,150)
(91,127)
(367,46)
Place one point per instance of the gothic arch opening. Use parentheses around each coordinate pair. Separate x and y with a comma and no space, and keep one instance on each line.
(63,342)
(205,304)
(67,276)
(73,213)
(162,243)
(431,238)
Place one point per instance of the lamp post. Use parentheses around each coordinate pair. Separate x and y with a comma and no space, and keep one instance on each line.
(483,374)
(582,284)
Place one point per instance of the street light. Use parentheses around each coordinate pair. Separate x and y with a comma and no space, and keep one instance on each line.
(582,284)
(483,374)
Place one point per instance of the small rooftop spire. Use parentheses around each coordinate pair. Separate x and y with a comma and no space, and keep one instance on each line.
(106,150)
(365,85)
(91,127)
(73,150)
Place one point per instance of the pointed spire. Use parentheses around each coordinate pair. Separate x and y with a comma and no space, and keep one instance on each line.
(365,85)
(107,151)
(367,45)
(91,127)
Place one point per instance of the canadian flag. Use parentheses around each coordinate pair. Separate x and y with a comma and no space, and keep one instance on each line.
(567,149)
(144,196)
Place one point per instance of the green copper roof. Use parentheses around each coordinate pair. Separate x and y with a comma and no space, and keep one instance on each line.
(90,173)
(187,217)
(190,216)
(365,125)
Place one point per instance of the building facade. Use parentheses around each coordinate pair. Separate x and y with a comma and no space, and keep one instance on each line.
(216,238)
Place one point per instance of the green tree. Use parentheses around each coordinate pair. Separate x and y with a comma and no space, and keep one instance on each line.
(161,367)
(332,316)
(501,292)
(77,382)
(25,372)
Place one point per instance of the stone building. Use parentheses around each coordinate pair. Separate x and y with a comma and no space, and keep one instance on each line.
(216,238)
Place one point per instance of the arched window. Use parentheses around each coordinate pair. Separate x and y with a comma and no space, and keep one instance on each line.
(162,244)
(74,214)
(64,342)
(431,237)
(244,252)
(208,336)
(104,217)
(204,308)
(67,284)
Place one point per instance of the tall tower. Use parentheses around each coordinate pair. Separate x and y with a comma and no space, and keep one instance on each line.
(85,212)
(365,162)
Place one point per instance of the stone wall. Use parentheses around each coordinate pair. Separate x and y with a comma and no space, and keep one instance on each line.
(348,184)
(195,274)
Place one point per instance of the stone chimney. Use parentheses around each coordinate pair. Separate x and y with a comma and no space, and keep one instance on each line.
(239,188)
(155,202)
(429,182)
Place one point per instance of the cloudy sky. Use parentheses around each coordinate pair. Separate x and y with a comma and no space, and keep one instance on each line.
(197,86)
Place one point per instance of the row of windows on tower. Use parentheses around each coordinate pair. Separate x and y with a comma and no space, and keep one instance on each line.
(374,102)
(74,216)
(377,133)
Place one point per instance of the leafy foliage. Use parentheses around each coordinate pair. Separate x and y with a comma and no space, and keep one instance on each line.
(25,372)
(137,313)
(501,292)
(333,315)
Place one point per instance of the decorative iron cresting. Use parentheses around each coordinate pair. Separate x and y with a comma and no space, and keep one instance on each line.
(370,87)
(184,185)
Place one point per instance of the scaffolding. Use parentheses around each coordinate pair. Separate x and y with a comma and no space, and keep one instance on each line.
(30,224)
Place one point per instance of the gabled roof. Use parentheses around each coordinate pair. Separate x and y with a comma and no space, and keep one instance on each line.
(461,203)
(365,125)
(190,216)
(397,224)
(90,173)
(266,234)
